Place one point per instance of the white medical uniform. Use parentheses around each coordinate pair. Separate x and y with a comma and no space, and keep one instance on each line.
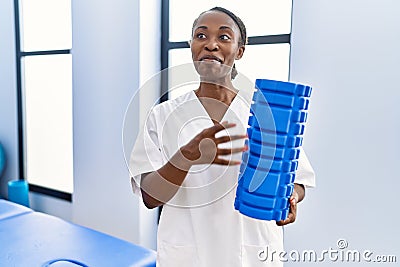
(199,226)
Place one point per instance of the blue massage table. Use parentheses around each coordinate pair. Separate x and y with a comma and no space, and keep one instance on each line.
(30,239)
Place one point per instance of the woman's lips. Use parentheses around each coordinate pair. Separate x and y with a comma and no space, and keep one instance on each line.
(211,59)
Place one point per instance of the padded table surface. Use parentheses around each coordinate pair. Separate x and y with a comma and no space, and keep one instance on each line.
(9,209)
(30,238)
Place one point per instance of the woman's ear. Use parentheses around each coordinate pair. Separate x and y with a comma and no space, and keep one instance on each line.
(240,52)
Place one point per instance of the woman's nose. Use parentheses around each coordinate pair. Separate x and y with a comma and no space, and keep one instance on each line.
(212,45)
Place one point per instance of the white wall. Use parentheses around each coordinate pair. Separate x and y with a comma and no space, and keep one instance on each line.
(8,95)
(105,76)
(349,52)
(150,65)
(107,69)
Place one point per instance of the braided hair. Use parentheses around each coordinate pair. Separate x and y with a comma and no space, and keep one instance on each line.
(239,23)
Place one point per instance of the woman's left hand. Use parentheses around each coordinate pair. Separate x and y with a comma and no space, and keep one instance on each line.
(294,198)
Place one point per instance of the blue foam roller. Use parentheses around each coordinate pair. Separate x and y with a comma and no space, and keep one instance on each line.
(276,127)
(271,164)
(267,151)
(275,99)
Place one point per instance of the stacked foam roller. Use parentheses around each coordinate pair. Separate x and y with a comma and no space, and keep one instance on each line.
(276,127)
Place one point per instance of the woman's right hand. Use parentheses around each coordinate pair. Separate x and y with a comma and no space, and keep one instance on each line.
(158,187)
(203,148)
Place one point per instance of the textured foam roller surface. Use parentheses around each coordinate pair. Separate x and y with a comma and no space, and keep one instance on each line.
(276,126)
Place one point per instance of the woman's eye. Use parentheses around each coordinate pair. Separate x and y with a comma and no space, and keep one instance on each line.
(225,37)
(201,35)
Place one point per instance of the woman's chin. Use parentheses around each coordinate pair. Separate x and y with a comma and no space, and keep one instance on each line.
(211,71)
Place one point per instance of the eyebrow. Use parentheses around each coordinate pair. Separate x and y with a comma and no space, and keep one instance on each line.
(225,27)
(221,28)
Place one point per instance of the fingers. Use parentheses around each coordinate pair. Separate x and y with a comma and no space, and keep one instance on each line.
(209,134)
(228,138)
(219,127)
(226,162)
(293,204)
(292,213)
(290,219)
(212,131)
(228,151)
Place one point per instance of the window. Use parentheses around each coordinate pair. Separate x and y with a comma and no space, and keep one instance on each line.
(44,83)
(268,24)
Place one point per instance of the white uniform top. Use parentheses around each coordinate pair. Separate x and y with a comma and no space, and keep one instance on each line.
(199,226)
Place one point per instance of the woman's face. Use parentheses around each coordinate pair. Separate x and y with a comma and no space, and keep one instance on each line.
(215,45)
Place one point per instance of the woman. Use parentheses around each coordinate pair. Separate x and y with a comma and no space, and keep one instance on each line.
(187,159)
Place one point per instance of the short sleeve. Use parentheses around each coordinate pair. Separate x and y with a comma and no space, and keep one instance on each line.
(305,174)
(146,154)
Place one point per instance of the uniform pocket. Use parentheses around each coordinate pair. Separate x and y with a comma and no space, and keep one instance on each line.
(171,255)
(254,256)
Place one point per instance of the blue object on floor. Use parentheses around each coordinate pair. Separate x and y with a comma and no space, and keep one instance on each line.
(276,126)
(31,238)
(18,192)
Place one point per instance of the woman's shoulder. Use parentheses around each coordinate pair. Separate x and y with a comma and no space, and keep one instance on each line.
(172,104)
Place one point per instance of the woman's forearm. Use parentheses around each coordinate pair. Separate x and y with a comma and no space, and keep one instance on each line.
(158,187)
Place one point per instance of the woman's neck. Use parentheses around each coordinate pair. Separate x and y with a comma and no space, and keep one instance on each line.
(222,93)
